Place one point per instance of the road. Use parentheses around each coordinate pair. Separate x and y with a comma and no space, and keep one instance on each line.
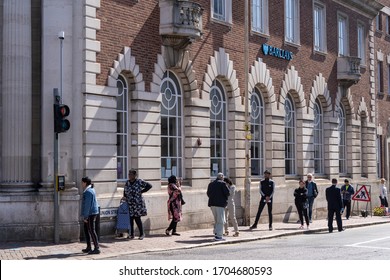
(363,243)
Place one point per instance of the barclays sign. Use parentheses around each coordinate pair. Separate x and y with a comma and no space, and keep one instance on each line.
(276,52)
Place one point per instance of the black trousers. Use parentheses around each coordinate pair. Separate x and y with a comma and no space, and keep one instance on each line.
(261,207)
(302,212)
(347,205)
(331,213)
(90,232)
(139,225)
(172,226)
(384,202)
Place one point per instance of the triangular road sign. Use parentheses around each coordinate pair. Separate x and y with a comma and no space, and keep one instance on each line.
(362,194)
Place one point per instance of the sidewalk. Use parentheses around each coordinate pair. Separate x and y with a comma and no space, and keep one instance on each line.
(117,246)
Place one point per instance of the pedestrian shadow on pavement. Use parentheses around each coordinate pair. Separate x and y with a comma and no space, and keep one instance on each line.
(287,215)
(56,256)
(197,239)
(289,229)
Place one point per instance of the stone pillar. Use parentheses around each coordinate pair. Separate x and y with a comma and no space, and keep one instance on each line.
(16,94)
(355,150)
(331,146)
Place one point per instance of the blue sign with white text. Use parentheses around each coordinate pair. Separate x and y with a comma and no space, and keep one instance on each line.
(276,52)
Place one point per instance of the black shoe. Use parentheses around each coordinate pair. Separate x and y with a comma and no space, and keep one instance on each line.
(330,231)
(94,252)
(270,228)
(175,233)
(141,237)
(253,227)
(130,237)
(86,250)
(340,230)
(167,232)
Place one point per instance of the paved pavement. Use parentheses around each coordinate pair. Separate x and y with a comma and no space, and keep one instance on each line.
(116,246)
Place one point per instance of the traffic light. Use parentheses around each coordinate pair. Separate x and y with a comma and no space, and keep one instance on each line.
(61,124)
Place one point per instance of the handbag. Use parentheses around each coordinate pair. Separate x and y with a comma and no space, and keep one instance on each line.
(182,199)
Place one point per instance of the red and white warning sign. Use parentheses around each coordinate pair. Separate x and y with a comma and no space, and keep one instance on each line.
(362,194)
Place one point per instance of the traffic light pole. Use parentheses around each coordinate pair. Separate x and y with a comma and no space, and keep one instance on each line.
(57,99)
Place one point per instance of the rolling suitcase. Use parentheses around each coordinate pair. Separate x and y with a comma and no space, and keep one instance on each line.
(123,219)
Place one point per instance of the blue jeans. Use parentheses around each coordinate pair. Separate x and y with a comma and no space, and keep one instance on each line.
(311,202)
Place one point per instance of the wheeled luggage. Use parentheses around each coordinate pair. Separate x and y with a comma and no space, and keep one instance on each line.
(123,219)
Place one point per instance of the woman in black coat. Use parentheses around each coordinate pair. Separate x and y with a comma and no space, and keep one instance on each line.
(301,203)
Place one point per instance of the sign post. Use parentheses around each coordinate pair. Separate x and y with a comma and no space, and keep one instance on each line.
(362,194)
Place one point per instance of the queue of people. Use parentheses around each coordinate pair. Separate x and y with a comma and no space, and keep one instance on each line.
(221,195)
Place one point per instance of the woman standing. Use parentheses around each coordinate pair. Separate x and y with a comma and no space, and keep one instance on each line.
(89,211)
(383,195)
(174,204)
(301,203)
(230,210)
(132,193)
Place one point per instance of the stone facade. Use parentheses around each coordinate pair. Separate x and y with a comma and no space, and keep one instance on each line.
(106,40)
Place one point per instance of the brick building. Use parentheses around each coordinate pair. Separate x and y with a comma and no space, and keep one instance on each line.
(160,86)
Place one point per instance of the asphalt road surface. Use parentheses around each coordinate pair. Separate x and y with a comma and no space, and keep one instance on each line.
(363,243)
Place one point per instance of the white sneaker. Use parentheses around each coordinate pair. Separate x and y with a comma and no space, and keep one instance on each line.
(219,239)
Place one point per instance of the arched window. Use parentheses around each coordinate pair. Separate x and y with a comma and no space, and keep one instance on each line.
(289,123)
(171,127)
(218,129)
(318,139)
(342,140)
(122,121)
(257,133)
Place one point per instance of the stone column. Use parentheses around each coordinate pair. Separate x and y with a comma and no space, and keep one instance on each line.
(16,94)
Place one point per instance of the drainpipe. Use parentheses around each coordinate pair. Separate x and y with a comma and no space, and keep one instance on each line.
(247,180)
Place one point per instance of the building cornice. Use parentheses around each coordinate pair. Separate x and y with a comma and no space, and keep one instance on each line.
(367,8)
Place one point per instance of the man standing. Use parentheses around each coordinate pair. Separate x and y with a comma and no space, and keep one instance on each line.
(218,194)
(312,193)
(347,192)
(267,187)
(335,205)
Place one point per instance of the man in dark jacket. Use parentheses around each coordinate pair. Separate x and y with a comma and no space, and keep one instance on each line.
(218,194)
(267,188)
(347,192)
(335,205)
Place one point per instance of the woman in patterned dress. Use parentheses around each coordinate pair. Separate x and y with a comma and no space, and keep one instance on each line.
(132,193)
(174,204)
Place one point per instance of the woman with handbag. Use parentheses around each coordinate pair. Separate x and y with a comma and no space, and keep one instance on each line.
(301,203)
(174,203)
